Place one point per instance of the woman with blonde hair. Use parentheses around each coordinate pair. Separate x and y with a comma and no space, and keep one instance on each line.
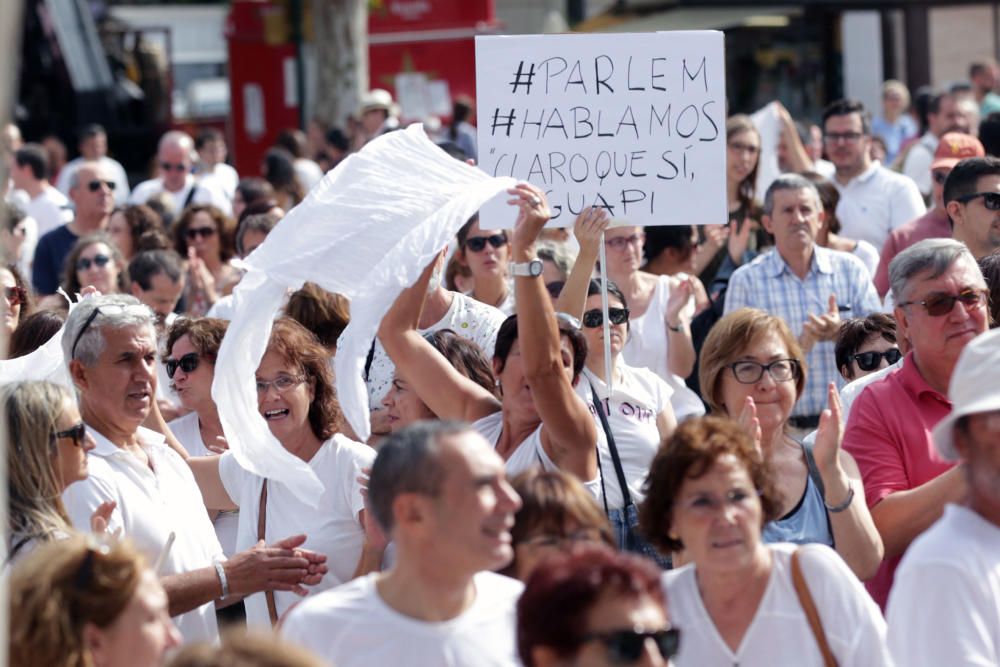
(47,451)
(86,603)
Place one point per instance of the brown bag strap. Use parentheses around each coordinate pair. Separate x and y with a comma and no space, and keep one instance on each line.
(272,608)
(809,607)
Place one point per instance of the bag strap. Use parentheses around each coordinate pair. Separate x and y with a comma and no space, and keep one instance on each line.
(272,608)
(809,607)
(190,196)
(613,448)
(807,451)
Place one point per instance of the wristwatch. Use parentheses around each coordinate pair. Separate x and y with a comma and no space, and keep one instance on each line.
(531,269)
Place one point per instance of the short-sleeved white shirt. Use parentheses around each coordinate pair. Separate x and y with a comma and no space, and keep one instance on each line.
(351,626)
(50,209)
(152,504)
(208,192)
(876,202)
(779,633)
(188,433)
(467,317)
(638,399)
(330,522)
(944,608)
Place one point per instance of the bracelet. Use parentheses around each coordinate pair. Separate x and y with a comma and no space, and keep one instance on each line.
(842,506)
(676,329)
(221,571)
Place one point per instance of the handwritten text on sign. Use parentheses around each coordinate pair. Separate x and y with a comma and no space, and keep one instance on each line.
(633,123)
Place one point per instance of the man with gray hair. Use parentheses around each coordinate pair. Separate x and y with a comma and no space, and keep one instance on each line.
(110,347)
(175,157)
(941,305)
(952,568)
(804,284)
(439,491)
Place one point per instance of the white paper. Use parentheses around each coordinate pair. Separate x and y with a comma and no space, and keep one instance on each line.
(634,123)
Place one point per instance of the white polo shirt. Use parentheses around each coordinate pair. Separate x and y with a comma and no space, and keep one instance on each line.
(876,202)
(153,502)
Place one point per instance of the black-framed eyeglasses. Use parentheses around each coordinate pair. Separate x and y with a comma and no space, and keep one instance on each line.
(991,200)
(780,370)
(204,232)
(96,184)
(170,166)
(625,647)
(15,295)
(100,260)
(835,137)
(187,363)
(938,305)
(478,243)
(595,318)
(77,432)
(869,361)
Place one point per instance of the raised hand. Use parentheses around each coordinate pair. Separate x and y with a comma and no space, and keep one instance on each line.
(102,516)
(588,227)
(533,213)
(830,433)
(747,419)
(739,239)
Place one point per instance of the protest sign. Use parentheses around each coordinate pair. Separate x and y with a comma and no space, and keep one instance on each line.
(633,123)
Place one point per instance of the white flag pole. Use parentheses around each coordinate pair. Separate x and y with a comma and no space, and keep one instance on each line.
(605,322)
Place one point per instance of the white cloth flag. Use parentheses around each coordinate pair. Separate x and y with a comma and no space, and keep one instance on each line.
(768,124)
(366,230)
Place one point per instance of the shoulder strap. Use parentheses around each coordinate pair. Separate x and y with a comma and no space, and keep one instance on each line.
(612,447)
(272,608)
(190,197)
(809,607)
(807,450)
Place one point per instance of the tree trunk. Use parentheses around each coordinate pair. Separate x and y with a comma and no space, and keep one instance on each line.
(340,44)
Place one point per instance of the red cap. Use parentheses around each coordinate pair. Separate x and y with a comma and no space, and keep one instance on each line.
(954,147)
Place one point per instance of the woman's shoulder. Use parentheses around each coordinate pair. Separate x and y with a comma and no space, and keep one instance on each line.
(345,449)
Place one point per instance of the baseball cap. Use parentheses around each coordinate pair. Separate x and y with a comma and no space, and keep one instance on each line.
(954,147)
(973,388)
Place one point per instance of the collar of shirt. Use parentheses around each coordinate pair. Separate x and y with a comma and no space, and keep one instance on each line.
(108,449)
(867,175)
(914,383)
(820,261)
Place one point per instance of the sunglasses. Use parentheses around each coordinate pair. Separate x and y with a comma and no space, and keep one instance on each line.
(187,363)
(16,295)
(170,166)
(96,184)
(78,433)
(204,232)
(869,361)
(99,260)
(991,200)
(477,243)
(941,304)
(626,647)
(595,318)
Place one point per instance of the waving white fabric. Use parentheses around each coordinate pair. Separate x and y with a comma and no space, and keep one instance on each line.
(45,363)
(366,231)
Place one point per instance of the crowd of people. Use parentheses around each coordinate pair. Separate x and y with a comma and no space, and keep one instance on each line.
(766,442)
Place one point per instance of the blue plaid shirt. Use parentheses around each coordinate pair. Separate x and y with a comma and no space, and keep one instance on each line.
(768,284)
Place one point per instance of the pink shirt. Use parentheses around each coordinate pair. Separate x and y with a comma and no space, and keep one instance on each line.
(889,435)
(931,225)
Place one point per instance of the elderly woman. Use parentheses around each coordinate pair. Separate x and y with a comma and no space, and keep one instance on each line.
(47,452)
(16,299)
(81,603)
(486,253)
(539,419)
(205,236)
(753,370)
(556,514)
(94,261)
(127,224)
(865,345)
(739,601)
(295,395)
(595,607)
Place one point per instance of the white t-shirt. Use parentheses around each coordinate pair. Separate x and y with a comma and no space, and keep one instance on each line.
(330,523)
(226,522)
(779,633)
(50,209)
(467,317)
(114,170)
(208,192)
(638,398)
(867,253)
(918,162)
(152,504)
(225,176)
(351,626)
(876,202)
(944,608)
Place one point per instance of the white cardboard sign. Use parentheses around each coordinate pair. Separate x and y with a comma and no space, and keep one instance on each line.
(634,123)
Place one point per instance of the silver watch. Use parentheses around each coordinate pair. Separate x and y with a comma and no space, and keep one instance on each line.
(531,269)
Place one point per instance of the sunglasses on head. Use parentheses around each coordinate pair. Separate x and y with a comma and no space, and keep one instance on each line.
(626,647)
(15,295)
(170,166)
(78,433)
(96,184)
(991,200)
(188,363)
(938,305)
(204,232)
(99,260)
(477,243)
(869,361)
(595,318)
